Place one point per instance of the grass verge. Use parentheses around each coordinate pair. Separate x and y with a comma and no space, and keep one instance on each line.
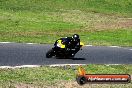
(58,76)
(99,22)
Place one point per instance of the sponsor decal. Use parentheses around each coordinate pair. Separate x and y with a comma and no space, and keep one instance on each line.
(83,78)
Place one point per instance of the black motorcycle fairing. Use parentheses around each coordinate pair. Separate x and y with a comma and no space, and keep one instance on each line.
(71,48)
(65,52)
(69,42)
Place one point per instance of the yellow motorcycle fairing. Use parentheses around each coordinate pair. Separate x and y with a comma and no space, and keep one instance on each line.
(81,43)
(59,44)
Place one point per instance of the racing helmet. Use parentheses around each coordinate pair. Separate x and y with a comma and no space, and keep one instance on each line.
(75,36)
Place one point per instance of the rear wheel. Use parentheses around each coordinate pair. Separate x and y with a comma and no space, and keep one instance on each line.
(72,55)
(49,54)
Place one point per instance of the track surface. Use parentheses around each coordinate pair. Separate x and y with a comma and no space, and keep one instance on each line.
(14,54)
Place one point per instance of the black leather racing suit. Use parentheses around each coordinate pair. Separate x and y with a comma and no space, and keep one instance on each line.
(69,43)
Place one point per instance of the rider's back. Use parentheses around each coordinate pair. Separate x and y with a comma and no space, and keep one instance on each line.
(68,42)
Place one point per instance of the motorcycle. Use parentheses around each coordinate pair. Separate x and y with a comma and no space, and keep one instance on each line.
(64,53)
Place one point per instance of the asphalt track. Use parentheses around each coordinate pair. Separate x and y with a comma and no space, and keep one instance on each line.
(15,54)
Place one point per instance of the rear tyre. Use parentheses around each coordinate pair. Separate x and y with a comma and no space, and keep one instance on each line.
(72,55)
(49,54)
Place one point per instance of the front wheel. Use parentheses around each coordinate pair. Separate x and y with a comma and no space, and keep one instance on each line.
(49,54)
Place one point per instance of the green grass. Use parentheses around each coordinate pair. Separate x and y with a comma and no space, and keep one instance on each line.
(103,6)
(116,37)
(50,76)
(99,22)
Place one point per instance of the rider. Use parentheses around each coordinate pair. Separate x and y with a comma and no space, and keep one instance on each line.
(68,42)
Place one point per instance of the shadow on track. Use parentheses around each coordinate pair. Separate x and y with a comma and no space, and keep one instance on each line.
(78,59)
(72,58)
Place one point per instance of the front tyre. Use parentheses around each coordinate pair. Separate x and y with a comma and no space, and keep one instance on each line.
(49,54)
